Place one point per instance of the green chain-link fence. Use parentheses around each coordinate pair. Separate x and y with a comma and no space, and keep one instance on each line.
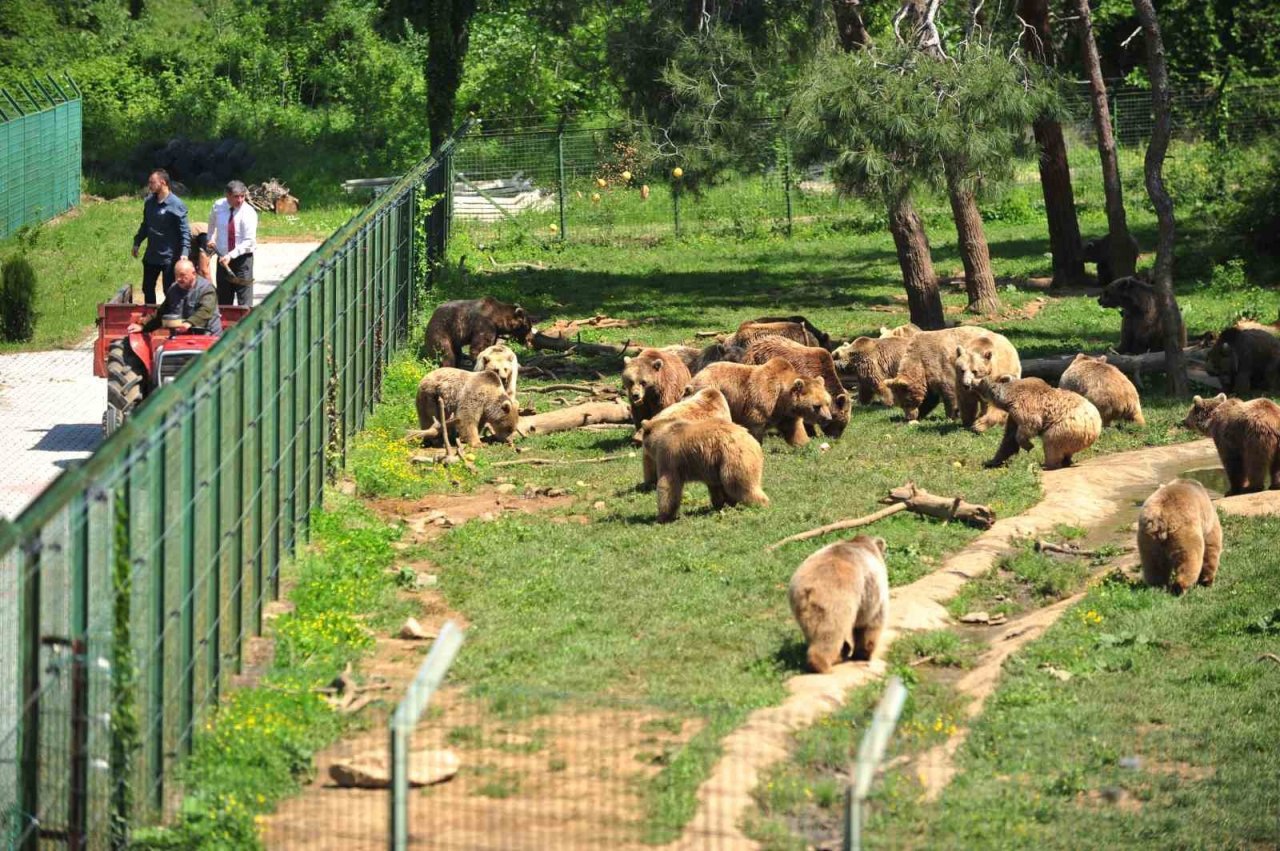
(137,577)
(40,128)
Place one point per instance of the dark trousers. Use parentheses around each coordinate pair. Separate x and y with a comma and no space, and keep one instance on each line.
(236,287)
(149,275)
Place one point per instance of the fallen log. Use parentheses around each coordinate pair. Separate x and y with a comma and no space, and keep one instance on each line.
(906,498)
(576,388)
(575,416)
(555,462)
(1051,368)
(557,343)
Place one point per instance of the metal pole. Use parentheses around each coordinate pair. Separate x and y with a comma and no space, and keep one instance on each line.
(675,203)
(29,743)
(786,183)
(870,752)
(560,176)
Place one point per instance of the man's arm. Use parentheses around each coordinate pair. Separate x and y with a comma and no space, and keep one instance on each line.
(184,230)
(213,227)
(142,230)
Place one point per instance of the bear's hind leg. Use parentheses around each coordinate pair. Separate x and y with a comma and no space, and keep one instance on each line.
(1212,553)
(865,640)
(1257,467)
(670,492)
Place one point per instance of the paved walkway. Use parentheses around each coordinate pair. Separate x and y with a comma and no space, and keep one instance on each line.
(51,404)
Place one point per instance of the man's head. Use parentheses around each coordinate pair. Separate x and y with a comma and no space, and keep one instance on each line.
(184,274)
(158,182)
(236,193)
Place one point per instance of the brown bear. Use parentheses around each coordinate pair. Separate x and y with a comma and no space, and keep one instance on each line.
(990,354)
(1141,330)
(752,330)
(477,323)
(653,380)
(908,330)
(773,395)
(840,597)
(695,359)
(1179,537)
(723,456)
(707,404)
(823,339)
(927,372)
(810,362)
(471,400)
(872,362)
(1247,437)
(1066,422)
(1245,360)
(500,359)
(1109,389)
(1098,250)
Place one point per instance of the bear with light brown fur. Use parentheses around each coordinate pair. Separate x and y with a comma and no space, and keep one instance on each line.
(976,359)
(872,362)
(1109,389)
(1065,422)
(840,597)
(908,330)
(502,360)
(707,404)
(1247,437)
(751,330)
(696,359)
(927,372)
(1245,359)
(1179,537)
(721,455)
(477,323)
(772,395)
(653,380)
(471,401)
(810,362)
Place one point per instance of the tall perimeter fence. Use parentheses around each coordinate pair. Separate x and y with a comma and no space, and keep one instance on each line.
(140,574)
(40,133)
(521,181)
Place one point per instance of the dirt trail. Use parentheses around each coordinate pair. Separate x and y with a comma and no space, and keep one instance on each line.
(1097,495)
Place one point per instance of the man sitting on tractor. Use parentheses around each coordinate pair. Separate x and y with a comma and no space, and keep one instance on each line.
(191,299)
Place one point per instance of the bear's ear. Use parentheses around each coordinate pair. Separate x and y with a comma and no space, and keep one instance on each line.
(519,312)
(506,406)
(626,360)
(688,391)
(1221,397)
(797,386)
(1007,378)
(1197,400)
(841,401)
(657,363)
(1101,359)
(987,355)
(881,544)
(1224,346)
(959,351)
(644,425)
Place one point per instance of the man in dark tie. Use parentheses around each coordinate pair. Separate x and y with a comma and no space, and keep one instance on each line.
(233,225)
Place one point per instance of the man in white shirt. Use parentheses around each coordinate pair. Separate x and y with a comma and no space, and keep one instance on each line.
(233,226)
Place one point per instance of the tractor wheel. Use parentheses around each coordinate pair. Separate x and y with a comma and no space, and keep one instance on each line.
(126,385)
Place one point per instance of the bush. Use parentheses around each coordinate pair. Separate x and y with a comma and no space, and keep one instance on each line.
(17,300)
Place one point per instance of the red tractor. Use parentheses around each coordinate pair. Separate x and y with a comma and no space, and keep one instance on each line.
(137,364)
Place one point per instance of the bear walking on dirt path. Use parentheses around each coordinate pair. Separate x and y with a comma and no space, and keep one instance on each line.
(1247,437)
(707,404)
(772,395)
(1065,422)
(1109,389)
(501,360)
(976,359)
(840,597)
(810,362)
(927,372)
(723,456)
(477,323)
(1179,537)
(653,380)
(471,400)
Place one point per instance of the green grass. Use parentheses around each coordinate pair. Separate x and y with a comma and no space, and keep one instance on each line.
(83,257)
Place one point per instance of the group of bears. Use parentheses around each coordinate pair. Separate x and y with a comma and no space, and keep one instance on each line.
(701,416)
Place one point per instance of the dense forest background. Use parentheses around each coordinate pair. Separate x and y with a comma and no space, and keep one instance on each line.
(345,82)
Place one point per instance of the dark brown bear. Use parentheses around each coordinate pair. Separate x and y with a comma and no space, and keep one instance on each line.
(823,338)
(697,359)
(1245,360)
(477,323)
(1099,251)
(753,330)
(810,362)
(1247,437)
(653,380)
(1140,327)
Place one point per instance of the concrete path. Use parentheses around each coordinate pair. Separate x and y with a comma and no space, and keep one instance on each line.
(51,404)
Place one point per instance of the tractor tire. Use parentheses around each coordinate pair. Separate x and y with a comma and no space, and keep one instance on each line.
(126,385)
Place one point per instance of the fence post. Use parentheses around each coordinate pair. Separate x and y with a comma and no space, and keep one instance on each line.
(675,204)
(870,752)
(405,718)
(564,233)
(29,747)
(786,181)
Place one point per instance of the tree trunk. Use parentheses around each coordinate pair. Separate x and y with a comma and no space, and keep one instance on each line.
(448,34)
(1124,257)
(923,298)
(979,280)
(1055,173)
(850,28)
(1153,168)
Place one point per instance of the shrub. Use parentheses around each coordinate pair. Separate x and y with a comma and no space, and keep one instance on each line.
(17,300)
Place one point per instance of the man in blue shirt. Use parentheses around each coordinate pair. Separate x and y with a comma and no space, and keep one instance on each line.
(166,231)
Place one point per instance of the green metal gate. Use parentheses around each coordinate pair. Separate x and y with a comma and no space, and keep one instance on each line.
(132,583)
(40,131)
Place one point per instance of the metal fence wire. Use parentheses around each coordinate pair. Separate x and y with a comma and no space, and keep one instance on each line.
(139,575)
(40,133)
(602,185)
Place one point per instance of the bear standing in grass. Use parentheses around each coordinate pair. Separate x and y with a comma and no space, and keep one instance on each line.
(976,359)
(1065,422)
(707,404)
(653,380)
(1109,389)
(810,362)
(1179,537)
(501,360)
(477,323)
(927,372)
(1247,437)
(471,400)
(722,455)
(872,362)
(1245,359)
(1141,329)
(840,597)
(773,395)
